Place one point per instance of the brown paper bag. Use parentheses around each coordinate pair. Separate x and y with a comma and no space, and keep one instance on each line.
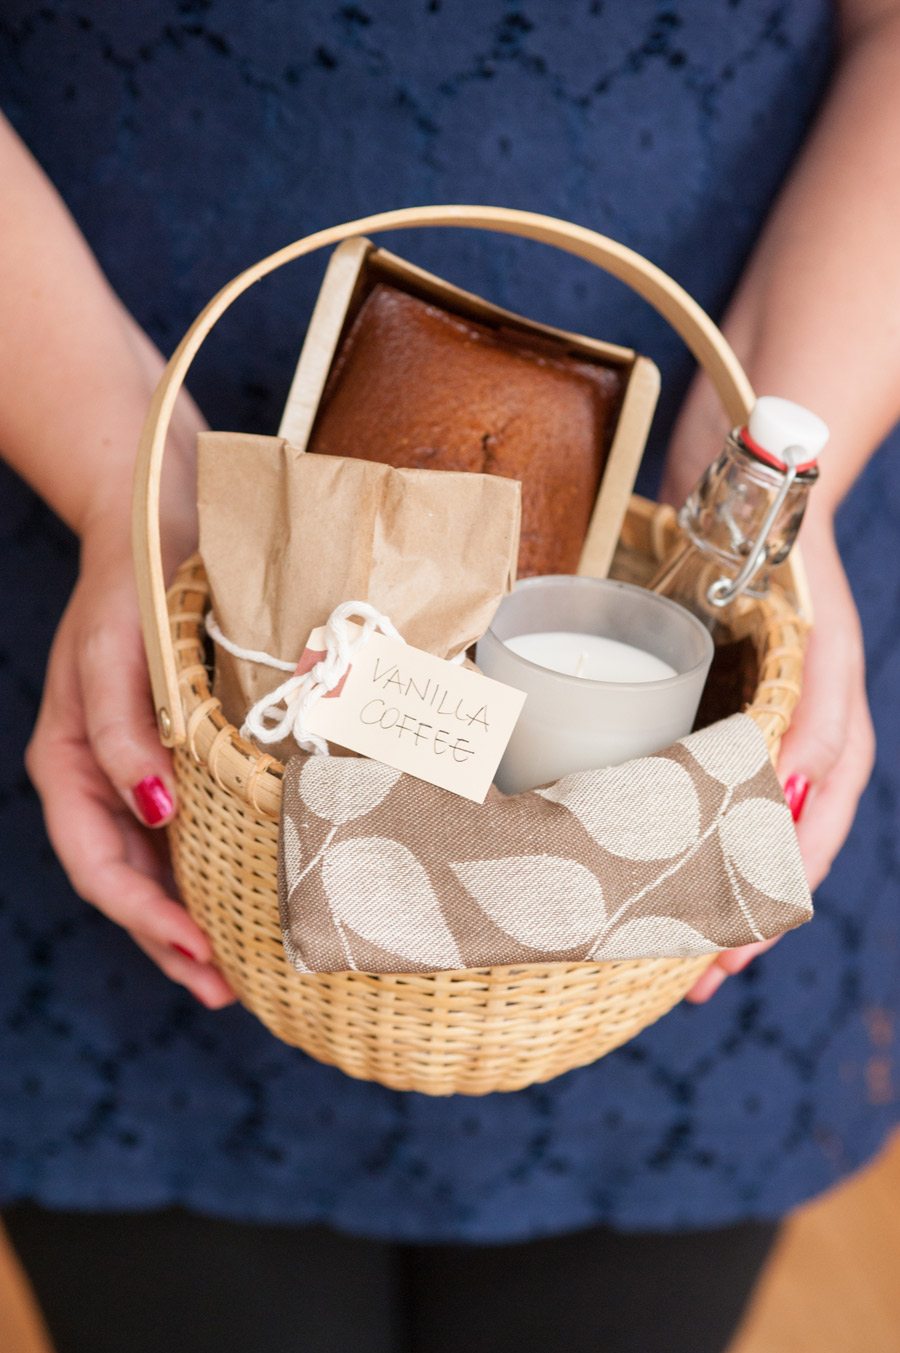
(286,537)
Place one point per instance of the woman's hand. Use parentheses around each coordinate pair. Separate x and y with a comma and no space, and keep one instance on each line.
(70,350)
(98,766)
(828,752)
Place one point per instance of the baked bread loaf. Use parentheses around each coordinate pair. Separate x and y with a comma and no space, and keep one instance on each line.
(416,386)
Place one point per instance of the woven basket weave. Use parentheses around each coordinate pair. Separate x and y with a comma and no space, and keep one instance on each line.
(466,1032)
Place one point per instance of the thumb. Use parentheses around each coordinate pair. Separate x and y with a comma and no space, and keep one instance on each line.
(833,673)
(120,723)
(816,737)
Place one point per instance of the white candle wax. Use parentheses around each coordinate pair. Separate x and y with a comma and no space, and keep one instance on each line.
(591,656)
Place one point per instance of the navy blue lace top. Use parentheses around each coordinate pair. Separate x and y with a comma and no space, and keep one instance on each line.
(190,138)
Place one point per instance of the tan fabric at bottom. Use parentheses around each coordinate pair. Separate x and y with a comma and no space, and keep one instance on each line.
(685,852)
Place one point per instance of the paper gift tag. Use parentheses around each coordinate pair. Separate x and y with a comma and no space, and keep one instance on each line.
(417,713)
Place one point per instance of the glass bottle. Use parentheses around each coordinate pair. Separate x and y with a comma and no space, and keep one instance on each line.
(740,522)
(742,518)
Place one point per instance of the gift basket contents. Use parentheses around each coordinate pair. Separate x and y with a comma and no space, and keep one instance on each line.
(475,747)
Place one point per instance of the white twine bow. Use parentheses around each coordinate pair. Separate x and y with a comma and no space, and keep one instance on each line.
(284,712)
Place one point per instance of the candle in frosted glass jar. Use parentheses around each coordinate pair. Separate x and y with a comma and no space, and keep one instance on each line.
(577,722)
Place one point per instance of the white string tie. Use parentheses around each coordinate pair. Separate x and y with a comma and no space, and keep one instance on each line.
(284,712)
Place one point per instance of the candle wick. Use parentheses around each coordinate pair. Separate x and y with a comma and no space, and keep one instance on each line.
(581,664)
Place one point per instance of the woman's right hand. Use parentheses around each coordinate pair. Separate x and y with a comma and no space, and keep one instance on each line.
(104,780)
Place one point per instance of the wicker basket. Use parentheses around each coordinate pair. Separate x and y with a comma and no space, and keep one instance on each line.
(465,1032)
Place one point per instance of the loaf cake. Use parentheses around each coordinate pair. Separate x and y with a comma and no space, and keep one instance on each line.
(416,386)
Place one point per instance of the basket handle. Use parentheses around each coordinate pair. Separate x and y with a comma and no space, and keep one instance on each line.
(675,305)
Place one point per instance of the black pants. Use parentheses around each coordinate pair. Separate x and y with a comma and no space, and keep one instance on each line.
(171,1282)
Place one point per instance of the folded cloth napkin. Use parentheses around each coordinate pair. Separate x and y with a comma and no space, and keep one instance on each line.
(689,851)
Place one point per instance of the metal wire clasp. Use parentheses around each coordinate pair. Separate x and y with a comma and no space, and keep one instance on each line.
(724,590)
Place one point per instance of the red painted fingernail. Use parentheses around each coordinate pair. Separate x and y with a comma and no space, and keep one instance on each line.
(153,800)
(796,788)
(187,953)
(709,983)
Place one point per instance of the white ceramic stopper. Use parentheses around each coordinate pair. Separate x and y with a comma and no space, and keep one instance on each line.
(775,424)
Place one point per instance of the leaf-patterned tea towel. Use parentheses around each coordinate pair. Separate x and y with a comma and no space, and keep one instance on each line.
(686,852)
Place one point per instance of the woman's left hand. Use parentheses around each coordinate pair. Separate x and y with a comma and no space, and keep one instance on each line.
(828,752)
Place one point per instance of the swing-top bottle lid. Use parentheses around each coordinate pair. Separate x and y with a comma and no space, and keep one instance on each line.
(776,424)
